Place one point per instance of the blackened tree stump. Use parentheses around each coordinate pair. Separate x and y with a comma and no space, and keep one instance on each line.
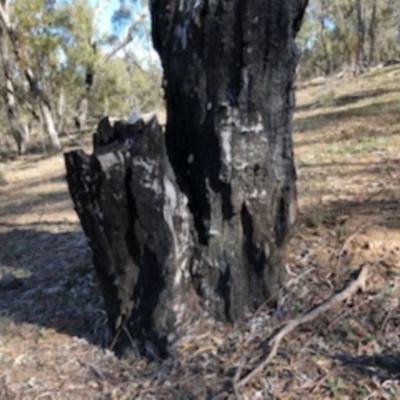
(194,221)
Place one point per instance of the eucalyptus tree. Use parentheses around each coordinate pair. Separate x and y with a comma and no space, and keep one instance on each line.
(58,47)
(16,128)
(27,24)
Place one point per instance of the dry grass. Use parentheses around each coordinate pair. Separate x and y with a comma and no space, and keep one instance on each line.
(52,327)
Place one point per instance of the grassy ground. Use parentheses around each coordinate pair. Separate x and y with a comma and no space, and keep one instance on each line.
(52,327)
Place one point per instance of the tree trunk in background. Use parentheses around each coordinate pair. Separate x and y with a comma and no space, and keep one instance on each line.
(18,131)
(44,107)
(327,56)
(371,34)
(198,221)
(36,89)
(82,110)
(360,55)
(49,124)
(82,106)
(61,110)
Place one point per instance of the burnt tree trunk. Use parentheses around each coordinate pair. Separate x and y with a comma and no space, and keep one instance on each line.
(228,76)
(194,222)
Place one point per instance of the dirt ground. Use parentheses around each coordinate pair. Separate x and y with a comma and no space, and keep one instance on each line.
(53,336)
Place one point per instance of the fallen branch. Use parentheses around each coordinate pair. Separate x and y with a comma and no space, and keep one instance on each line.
(309,316)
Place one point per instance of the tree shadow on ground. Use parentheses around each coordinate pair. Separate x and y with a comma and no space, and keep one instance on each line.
(341,169)
(380,171)
(57,287)
(374,197)
(21,198)
(383,366)
(345,100)
(387,211)
(29,204)
(363,139)
(332,118)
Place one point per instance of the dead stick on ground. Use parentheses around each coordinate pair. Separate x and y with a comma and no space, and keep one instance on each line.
(309,316)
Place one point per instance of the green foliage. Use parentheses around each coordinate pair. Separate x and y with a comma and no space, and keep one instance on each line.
(61,42)
(333,39)
(121,87)
(35,27)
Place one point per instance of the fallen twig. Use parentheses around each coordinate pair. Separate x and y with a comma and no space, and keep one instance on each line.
(309,316)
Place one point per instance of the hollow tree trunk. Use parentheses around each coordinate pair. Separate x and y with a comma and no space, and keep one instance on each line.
(195,222)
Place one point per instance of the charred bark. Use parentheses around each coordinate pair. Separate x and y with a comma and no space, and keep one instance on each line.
(228,78)
(195,222)
(138,227)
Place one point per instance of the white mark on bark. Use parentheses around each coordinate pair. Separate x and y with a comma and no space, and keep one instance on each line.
(277,161)
(147,165)
(245,91)
(191,6)
(257,193)
(240,165)
(190,9)
(177,217)
(227,126)
(170,199)
(181,34)
(250,152)
(226,141)
(149,179)
(133,117)
(267,250)
(256,128)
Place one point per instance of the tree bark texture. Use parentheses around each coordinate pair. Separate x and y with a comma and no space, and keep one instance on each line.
(228,78)
(194,222)
(137,224)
